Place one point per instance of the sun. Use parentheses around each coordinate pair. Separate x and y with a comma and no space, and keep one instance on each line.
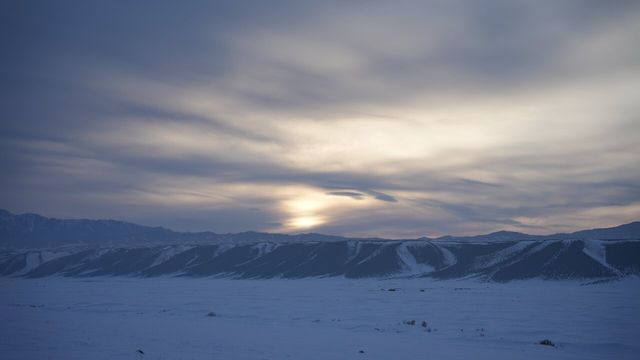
(305,208)
(306,222)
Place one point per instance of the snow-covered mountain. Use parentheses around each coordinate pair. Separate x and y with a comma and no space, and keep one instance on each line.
(498,261)
(29,231)
(32,230)
(629,231)
(35,246)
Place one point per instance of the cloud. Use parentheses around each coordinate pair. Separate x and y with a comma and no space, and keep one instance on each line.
(358,118)
(351,194)
(382,197)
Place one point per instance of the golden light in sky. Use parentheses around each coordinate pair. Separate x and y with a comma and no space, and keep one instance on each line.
(307,208)
(305,222)
(304,210)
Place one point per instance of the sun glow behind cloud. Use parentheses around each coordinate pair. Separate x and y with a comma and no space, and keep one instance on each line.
(308,208)
(304,222)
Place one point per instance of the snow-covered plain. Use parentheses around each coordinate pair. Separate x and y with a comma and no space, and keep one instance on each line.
(336,318)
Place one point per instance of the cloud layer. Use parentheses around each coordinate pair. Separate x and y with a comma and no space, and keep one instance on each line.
(395,119)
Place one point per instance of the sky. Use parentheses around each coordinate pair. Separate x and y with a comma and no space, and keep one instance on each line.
(361,118)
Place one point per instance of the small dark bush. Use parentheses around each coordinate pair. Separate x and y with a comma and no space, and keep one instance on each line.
(546,342)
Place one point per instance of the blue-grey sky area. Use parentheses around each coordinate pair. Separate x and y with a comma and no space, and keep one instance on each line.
(362,118)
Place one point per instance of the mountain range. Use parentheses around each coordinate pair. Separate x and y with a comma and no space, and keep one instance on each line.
(36,246)
(36,231)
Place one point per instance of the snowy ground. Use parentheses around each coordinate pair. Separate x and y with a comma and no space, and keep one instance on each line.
(111,318)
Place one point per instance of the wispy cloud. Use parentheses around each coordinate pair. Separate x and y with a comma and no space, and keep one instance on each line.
(359,118)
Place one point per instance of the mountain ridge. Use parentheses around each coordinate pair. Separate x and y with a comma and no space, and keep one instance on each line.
(36,246)
(498,261)
(36,231)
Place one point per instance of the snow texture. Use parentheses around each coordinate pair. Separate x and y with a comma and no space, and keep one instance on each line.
(495,261)
(334,318)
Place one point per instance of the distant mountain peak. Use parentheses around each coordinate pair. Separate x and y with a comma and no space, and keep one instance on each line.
(33,231)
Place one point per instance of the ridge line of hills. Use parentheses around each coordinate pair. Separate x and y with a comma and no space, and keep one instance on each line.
(35,246)
(35,231)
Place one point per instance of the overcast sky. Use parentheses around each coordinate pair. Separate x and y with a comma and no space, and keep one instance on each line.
(363,118)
